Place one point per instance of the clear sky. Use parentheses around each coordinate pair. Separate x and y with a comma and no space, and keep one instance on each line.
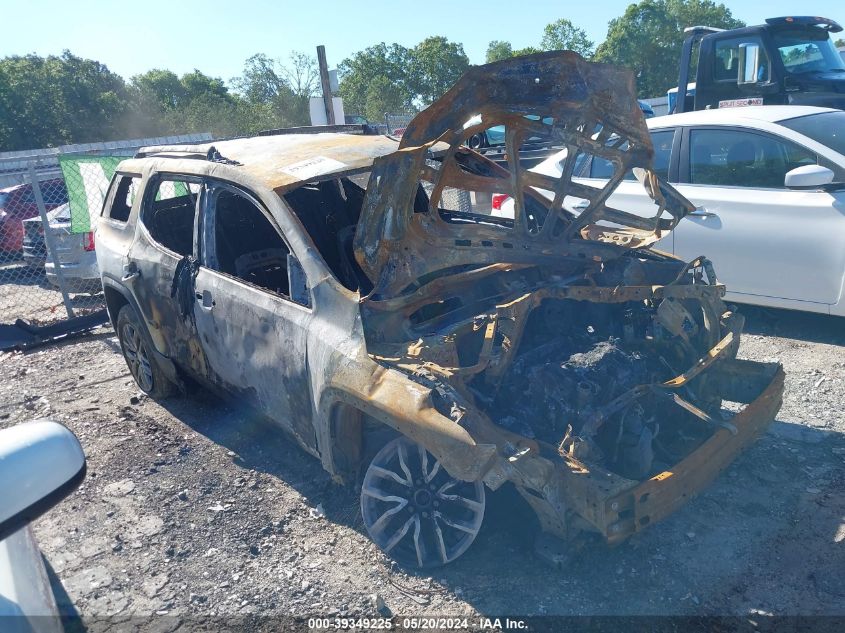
(216,36)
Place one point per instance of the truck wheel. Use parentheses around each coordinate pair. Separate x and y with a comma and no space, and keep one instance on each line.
(149,378)
(476,141)
(414,510)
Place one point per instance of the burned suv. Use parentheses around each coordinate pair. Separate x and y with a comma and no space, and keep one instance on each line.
(357,291)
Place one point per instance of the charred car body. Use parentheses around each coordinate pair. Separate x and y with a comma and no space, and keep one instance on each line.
(441,351)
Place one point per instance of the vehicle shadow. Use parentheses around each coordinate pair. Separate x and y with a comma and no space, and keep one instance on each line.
(702,560)
(261,445)
(805,326)
(64,603)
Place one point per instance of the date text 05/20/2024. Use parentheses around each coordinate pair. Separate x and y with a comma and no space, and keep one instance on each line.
(418,623)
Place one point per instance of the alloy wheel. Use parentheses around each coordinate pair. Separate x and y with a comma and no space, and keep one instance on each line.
(136,357)
(414,510)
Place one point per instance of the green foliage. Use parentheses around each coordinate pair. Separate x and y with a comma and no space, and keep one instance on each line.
(498,49)
(648,38)
(159,88)
(563,35)
(528,50)
(839,43)
(436,64)
(66,99)
(58,100)
(390,78)
(380,63)
(383,96)
(276,94)
(559,35)
(161,103)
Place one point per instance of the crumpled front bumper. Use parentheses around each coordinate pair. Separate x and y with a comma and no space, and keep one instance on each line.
(760,385)
(618,507)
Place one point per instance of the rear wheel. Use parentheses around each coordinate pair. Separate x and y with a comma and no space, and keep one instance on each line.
(414,510)
(149,378)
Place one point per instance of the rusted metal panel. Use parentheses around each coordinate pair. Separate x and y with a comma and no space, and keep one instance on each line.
(582,106)
(604,343)
(661,495)
(283,162)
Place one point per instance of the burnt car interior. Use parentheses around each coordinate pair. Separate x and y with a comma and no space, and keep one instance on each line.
(122,205)
(329,211)
(247,245)
(170,214)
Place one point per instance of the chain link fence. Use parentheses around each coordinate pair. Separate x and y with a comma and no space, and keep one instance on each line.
(49,204)
(396,123)
(49,263)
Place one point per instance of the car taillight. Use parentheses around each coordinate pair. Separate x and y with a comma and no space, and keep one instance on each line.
(498,200)
(89,241)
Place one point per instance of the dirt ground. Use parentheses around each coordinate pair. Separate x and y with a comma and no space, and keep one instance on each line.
(194,506)
(26,294)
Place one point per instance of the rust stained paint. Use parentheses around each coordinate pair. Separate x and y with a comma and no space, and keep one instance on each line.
(417,258)
(286,161)
(454,303)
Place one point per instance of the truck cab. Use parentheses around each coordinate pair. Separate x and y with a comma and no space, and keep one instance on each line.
(787,60)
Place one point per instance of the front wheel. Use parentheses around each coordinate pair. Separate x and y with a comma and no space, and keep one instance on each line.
(414,510)
(149,378)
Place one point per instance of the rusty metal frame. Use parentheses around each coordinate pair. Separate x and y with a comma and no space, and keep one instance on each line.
(581,106)
(364,362)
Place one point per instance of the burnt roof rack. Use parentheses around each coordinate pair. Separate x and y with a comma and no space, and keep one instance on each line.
(177,151)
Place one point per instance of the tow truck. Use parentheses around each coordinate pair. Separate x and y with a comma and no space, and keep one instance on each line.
(787,60)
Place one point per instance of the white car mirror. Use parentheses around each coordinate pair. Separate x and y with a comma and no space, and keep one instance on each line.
(41,463)
(808,177)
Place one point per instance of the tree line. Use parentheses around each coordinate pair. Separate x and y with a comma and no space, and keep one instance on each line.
(647,38)
(63,99)
(56,100)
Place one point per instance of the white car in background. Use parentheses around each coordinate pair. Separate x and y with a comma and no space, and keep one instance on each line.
(769,184)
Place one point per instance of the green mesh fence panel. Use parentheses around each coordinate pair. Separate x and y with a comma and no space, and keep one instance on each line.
(87,180)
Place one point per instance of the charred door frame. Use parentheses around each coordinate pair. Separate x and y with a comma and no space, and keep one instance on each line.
(174,332)
(288,403)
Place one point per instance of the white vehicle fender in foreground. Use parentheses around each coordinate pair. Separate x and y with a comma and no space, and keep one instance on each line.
(41,463)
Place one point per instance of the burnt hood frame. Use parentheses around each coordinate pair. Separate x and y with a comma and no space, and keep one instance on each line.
(582,106)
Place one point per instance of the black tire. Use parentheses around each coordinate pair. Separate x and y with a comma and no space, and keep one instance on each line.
(476,141)
(142,365)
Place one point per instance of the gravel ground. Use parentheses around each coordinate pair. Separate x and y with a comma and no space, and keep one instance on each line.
(26,294)
(194,506)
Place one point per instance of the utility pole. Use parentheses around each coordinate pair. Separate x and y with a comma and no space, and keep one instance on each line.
(324,81)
